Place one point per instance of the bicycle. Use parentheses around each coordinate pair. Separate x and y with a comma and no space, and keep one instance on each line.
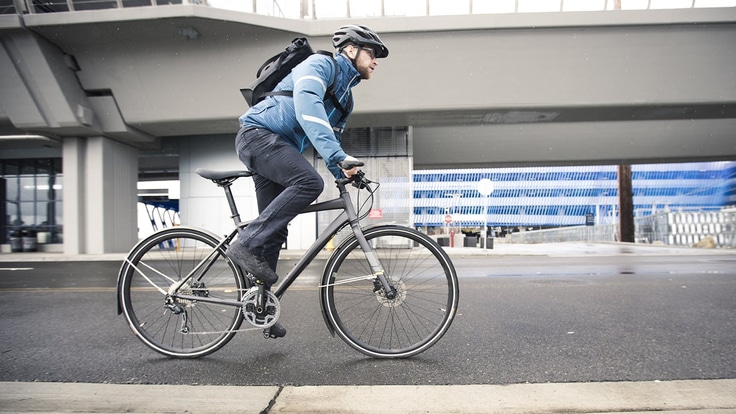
(388,291)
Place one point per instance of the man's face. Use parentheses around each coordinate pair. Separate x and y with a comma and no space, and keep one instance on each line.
(365,62)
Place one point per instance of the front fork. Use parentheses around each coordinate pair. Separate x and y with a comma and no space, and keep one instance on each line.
(375,263)
(383,281)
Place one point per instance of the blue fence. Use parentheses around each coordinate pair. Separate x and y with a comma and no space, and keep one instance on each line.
(564,196)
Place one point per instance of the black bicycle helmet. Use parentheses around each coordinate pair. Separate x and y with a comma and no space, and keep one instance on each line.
(360,36)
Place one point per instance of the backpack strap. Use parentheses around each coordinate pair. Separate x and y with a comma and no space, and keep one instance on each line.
(330,93)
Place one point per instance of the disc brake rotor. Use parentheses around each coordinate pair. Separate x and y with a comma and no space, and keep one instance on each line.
(400,295)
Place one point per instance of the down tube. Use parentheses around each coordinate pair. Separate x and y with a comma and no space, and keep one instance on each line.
(314,249)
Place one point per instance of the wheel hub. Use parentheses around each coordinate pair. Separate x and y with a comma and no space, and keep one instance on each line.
(399,296)
(191,289)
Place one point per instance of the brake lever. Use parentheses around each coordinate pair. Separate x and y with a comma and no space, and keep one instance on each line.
(359,181)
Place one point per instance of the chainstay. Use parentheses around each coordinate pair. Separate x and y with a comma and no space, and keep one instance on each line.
(255,328)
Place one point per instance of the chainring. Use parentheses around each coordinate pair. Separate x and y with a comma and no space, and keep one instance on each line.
(268,315)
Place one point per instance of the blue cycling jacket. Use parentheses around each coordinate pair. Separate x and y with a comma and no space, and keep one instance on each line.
(310,119)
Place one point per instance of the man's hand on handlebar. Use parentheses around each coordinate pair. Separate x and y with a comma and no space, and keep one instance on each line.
(349,166)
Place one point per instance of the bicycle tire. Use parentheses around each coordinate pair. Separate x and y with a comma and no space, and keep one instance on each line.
(165,257)
(424,309)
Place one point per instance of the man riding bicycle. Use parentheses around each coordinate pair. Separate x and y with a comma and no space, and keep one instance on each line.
(276,131)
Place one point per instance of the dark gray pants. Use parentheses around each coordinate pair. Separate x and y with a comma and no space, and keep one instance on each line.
(285,184)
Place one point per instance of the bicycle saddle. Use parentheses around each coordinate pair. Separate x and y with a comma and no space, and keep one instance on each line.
(222,175)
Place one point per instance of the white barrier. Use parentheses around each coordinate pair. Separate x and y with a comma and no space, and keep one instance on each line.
(672,228)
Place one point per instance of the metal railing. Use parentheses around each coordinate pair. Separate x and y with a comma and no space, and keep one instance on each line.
(322,9)
(668,228)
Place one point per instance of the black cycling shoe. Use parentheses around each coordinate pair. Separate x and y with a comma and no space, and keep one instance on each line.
(255,265)
(276,330)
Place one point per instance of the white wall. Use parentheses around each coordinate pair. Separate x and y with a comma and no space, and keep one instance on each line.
(203,204)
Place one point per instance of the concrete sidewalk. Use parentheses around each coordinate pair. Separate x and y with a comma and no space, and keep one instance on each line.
(692,396)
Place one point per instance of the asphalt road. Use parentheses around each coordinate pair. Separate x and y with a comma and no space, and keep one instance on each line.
(521,319)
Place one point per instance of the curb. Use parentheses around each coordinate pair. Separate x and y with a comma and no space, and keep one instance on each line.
(687,396)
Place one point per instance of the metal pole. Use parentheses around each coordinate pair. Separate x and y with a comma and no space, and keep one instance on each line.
(484,234)
(625,204)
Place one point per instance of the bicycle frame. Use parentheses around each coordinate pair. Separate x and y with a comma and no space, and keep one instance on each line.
(189,286)
(348,216)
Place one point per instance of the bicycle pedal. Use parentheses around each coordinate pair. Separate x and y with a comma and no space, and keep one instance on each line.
(275,331)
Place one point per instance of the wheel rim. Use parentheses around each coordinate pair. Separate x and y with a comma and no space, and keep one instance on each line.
(163,326)
(420,314)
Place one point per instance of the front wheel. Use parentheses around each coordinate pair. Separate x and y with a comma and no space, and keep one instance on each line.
(173,326)
(425,301)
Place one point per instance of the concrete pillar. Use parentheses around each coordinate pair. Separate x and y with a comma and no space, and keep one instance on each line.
(100,196)
(73,155)
(112,196)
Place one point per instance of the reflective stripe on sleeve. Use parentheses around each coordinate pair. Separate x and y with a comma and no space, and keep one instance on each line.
(309,77)
(317,120)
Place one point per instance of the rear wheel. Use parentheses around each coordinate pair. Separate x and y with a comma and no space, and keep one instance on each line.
(359,310)
(177,327)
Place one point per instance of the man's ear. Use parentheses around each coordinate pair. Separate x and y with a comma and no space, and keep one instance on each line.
(352,52)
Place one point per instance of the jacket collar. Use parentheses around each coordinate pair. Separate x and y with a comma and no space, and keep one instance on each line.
(348,70)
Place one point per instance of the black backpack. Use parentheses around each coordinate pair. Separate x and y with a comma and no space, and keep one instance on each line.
(276,68)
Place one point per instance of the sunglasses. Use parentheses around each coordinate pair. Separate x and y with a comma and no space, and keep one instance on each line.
(371,52)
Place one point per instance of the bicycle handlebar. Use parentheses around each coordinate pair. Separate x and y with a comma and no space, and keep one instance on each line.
(358,180)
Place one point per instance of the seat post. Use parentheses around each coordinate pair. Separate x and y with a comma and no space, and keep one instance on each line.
(231,201)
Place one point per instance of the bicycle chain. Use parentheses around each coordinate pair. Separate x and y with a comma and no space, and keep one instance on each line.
(254,328)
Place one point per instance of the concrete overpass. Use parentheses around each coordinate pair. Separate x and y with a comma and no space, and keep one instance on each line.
(102,86)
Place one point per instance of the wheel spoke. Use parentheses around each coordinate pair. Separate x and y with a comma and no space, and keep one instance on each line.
(146,277)
(167,263)
(425,287)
